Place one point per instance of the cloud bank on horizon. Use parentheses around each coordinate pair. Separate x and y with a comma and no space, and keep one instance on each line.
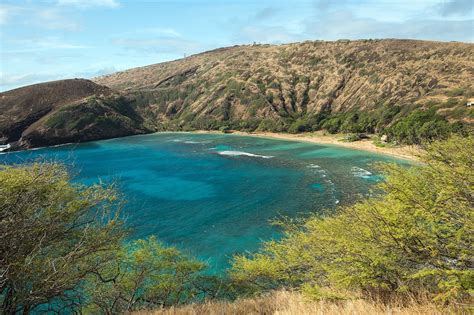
(56,39)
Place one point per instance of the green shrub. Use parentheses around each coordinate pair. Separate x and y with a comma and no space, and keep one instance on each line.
(271,125)
(55,236)
(414,235)
(332,124)
(421,125)
(58,119)
(456,92)
(300,125)
(146,275)
(63,249)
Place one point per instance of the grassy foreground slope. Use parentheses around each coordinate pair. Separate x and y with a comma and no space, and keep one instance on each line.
(294,303)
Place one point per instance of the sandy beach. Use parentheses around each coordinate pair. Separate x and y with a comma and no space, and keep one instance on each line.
(402,152)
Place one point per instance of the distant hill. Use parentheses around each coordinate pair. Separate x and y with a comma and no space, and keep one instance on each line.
(65,111)
(341,86)
(294,80)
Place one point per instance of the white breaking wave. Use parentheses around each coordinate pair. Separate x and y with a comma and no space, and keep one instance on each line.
(187,141)
(360,172)
(195,142)
(313,166)
(241,153)
(4,147)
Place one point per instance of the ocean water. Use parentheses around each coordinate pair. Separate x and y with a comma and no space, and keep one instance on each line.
(215,195)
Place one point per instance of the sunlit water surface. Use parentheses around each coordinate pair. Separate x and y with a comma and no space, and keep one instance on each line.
(215,195)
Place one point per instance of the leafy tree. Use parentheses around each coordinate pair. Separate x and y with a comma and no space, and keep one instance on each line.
(63,250)
(419,126)
(332,124)
(146,275)
(53,234)
(414,234)
(271,125)
(299,125)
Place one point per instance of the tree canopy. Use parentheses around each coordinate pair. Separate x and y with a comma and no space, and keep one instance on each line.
(414,232)
(63,247)
(53,235)
(148,275)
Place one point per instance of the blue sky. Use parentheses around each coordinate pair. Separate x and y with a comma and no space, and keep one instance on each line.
(42,40)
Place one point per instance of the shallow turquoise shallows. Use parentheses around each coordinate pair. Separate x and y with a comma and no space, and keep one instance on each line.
(215,195)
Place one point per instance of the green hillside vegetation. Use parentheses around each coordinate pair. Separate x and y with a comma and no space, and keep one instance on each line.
(64,246)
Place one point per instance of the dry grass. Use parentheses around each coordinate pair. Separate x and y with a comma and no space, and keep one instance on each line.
(288,303)
(304,78)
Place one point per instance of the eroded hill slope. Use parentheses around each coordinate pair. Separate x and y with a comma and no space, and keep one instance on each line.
(286,82)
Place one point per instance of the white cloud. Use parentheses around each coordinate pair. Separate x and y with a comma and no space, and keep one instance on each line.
(54,19)
(266,34)
(329,26)
(90,3)
(159,31)
(41,44)
(11,81)
(332,20)
(157,40)
(456,7)
(4,14)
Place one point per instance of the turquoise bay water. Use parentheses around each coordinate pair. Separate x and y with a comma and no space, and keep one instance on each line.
(214,195)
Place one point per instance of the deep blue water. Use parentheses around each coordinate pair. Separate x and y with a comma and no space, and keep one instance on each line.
(214,195)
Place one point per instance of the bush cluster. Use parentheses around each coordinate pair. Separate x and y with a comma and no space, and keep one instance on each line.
(414,235)
(64,250)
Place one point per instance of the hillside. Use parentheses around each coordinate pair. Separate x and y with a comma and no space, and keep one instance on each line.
(239,86)
(407,89)
(65,111)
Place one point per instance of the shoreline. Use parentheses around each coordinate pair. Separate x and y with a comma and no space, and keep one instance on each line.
(403,152)
(410,153)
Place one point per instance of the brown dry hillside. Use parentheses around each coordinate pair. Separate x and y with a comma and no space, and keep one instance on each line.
(342,86)
(64,111)
(290,81)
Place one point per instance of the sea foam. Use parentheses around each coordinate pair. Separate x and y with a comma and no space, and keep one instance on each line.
(242,153)
(195,142)
(360,172)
